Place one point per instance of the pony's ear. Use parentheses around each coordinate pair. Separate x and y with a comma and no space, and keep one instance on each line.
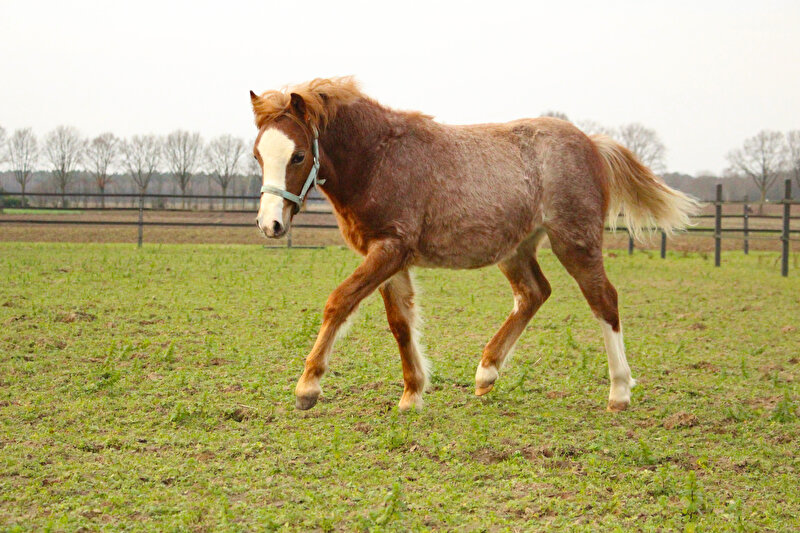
(298,106)
(254,98)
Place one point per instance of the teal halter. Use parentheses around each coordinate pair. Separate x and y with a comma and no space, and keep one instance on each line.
(311,179)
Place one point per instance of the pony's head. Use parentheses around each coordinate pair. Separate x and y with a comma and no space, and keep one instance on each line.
(289,122)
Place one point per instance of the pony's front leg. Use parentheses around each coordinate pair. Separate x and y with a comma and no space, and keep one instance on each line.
(382,261)
(398,297)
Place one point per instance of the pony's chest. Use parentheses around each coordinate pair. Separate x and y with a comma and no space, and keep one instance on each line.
(353,231)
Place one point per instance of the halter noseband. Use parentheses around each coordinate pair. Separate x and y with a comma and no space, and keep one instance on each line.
(311,179)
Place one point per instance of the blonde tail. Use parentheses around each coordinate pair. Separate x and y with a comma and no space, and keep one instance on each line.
(644,200)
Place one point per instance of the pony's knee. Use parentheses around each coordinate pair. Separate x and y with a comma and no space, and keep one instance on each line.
(337,310)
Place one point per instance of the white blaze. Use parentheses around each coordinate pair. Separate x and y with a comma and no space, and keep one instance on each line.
(275,149)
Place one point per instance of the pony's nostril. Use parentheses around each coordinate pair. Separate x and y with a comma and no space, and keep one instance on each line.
(276,227)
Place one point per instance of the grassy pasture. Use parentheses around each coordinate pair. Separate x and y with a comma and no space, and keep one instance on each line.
(152,390)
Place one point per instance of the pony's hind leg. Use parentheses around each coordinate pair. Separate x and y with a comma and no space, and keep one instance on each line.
(398,297)
(583,259)
(531,289)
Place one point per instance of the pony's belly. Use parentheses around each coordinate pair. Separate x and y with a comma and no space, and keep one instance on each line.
(466,254)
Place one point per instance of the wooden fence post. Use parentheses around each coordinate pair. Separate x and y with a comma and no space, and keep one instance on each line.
(746,225)
(630,243)
(787,207)
(289,236)
(718,226)
(663,244)
(141,220)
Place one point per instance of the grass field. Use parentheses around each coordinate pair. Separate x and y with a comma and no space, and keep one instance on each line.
(152,390)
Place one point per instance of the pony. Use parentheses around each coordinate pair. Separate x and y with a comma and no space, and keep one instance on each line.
(408,191)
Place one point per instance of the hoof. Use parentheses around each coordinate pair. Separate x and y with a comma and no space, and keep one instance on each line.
(480,391)
(304,403)
(484,379)
(410,401)
(615,406)
(306,394)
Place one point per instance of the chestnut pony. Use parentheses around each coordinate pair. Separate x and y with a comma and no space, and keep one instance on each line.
(408,191)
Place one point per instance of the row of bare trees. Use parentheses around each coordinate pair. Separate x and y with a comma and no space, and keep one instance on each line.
(181,154)
(766,157)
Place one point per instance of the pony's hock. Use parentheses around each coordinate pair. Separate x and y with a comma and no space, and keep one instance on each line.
(408,191)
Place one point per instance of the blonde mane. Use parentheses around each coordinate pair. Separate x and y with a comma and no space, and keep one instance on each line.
(322,98)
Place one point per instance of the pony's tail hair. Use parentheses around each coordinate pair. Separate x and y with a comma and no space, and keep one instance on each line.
(642,198)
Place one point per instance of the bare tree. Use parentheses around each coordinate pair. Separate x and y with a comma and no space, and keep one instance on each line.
(141,156)
(253,173)
(222,159)
(181,151)
(23,152)
(793,142)
(3,150)
(101,154)
(644,143)
(555,114)
(590,127)
(761,158)
(64,149)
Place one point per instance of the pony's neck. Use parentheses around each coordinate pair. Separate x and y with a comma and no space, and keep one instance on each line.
(351,143)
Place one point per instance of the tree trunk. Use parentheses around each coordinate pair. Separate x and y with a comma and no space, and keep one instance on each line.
(23,195)
(224,196)
(763,199)
(103,196)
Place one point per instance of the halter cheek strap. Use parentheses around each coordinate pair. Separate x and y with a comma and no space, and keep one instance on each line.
(311,179)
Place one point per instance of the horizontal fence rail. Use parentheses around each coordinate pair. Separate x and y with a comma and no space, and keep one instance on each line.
(318,206)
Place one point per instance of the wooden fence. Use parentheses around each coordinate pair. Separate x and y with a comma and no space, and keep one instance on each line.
(746,232)
(156,202)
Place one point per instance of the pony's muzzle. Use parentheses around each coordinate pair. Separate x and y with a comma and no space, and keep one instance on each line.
(274,229)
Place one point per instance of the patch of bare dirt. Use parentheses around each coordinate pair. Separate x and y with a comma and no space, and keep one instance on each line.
(75,316)
(533,452)
(705,365)
(765,402)
(363,427)
(680,420)
(489,456)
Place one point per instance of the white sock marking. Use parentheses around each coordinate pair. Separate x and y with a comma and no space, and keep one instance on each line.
(619,372)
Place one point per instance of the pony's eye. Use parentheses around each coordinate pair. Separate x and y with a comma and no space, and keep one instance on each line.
(254,157)
(298,158)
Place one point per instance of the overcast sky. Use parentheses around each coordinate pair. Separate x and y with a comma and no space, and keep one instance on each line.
(704,74)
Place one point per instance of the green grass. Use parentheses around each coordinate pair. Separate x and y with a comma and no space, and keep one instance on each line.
(152,390)
(34,211)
